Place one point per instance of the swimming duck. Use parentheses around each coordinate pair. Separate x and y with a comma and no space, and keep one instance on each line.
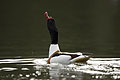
(55,55)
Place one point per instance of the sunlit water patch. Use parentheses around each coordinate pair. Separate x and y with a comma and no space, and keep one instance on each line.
(36,69)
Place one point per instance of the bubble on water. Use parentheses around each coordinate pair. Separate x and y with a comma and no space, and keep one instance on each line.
(32,79)
(24,69)
(93,76)
(63,79)
(96,77)
(100,76)
(115,77)
(12,75)
(68,73)
(27,75)
(73,76)
(62,75)
(20,75)
(38,72)
(33,74)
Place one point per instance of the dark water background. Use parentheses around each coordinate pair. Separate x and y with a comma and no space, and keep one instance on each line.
(91,26)
(84,25)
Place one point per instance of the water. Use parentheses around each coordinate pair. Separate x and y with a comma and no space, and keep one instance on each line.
(84,25)
(38,69)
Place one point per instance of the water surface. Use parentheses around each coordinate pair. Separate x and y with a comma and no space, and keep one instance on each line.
(84,25)
(37,69)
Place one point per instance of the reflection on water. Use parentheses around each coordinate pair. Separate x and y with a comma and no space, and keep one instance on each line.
(84,25)
(36,69)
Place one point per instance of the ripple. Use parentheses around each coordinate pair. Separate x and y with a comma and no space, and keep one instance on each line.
(96,67)
(3,61)
(7,69)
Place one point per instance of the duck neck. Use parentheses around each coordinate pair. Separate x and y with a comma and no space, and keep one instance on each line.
(53,48)
(53,31)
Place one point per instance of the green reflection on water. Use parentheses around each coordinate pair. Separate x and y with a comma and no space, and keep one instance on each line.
(86,26)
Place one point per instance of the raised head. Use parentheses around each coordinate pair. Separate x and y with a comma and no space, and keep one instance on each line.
(46,16)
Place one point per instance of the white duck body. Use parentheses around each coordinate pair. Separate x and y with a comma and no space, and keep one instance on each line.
(63,59)
(56,56)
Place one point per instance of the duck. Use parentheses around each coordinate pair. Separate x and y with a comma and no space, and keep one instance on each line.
(55,54)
